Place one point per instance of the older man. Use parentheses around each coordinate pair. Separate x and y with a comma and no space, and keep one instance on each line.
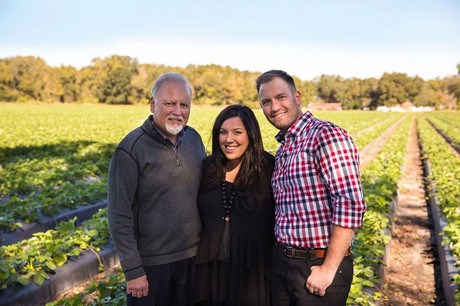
(153,183)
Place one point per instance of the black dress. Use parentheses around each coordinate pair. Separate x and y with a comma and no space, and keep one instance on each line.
(243,279)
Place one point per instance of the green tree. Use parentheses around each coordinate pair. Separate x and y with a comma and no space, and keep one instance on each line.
(144,78)
(397,88)
(308,90)
(391,89)
(414,87)
(122,80)
(350,95)
(429,96)
(88,82)
(451,85)
(116,79)
(68,87)
(369,92)
(28,75)
(7,91)
(206,83)
(248,89)
(330,87)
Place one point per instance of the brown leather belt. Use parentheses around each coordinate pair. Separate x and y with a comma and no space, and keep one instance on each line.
(312,254)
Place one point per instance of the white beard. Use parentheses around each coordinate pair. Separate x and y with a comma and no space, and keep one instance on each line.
(173,129)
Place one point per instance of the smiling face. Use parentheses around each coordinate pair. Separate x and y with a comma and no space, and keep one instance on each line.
(233,140)
(172,109)
(281,106)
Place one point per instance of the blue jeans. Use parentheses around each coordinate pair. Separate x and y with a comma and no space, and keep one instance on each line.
(170,284)
(288,277)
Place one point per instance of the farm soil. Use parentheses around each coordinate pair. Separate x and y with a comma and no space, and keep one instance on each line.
(412,276)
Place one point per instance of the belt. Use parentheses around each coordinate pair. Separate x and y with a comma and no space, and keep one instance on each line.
(312,254)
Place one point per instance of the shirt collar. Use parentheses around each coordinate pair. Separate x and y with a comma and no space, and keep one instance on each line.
(296,128)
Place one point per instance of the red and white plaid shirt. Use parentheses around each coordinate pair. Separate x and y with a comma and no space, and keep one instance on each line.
(316,183)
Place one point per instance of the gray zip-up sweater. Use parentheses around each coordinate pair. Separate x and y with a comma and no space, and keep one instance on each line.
(152,192)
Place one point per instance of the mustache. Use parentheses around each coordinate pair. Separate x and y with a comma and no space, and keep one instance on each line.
(175,117)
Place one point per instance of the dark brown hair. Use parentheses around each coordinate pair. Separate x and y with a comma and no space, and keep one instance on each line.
(271,74)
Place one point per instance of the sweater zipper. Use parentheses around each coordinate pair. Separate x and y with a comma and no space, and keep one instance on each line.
(174,152)
(173,149)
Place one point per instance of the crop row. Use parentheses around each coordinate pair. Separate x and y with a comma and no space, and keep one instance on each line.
(451,118)
(449,130)
(55,157)
(37,257)
(111,290)
(445,174)
(379,179)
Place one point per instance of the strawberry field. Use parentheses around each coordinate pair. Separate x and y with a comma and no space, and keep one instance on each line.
(53,172)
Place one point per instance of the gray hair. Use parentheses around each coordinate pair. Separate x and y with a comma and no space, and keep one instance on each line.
(170,77)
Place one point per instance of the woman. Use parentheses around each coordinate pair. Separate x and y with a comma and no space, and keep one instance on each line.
(237,212)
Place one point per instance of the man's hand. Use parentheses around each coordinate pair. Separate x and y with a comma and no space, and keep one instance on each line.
(138,287)
(322,276)
(319,280)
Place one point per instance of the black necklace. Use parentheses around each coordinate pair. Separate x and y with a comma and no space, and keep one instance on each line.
(224,252)
(227,204)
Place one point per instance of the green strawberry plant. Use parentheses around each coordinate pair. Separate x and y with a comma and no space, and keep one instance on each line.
(445,175)
(35,258)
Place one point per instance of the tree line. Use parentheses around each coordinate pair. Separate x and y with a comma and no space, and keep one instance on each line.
(123,80)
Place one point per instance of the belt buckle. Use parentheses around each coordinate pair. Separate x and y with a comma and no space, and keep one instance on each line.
(287,250)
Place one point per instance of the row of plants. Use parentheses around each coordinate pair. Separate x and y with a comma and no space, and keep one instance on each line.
(49,201)
(56,157)
(446,116)
(445,174)
(354,122)
(36,258)
(450,130)
(110,290)
(379,180)
(367,136)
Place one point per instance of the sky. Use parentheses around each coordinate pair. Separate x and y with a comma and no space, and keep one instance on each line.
(306,38)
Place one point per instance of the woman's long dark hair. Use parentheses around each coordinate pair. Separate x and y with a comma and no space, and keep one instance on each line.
(256,168)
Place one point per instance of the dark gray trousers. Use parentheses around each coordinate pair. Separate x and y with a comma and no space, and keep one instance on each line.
(288,277)
(170,284)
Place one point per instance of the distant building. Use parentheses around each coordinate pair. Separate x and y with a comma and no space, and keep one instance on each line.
(321,106)
(408,106)
(405,107)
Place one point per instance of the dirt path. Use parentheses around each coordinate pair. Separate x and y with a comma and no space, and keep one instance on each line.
(410,277)
(368,153)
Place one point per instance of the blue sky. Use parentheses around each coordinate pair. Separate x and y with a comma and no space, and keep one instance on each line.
(306,38)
